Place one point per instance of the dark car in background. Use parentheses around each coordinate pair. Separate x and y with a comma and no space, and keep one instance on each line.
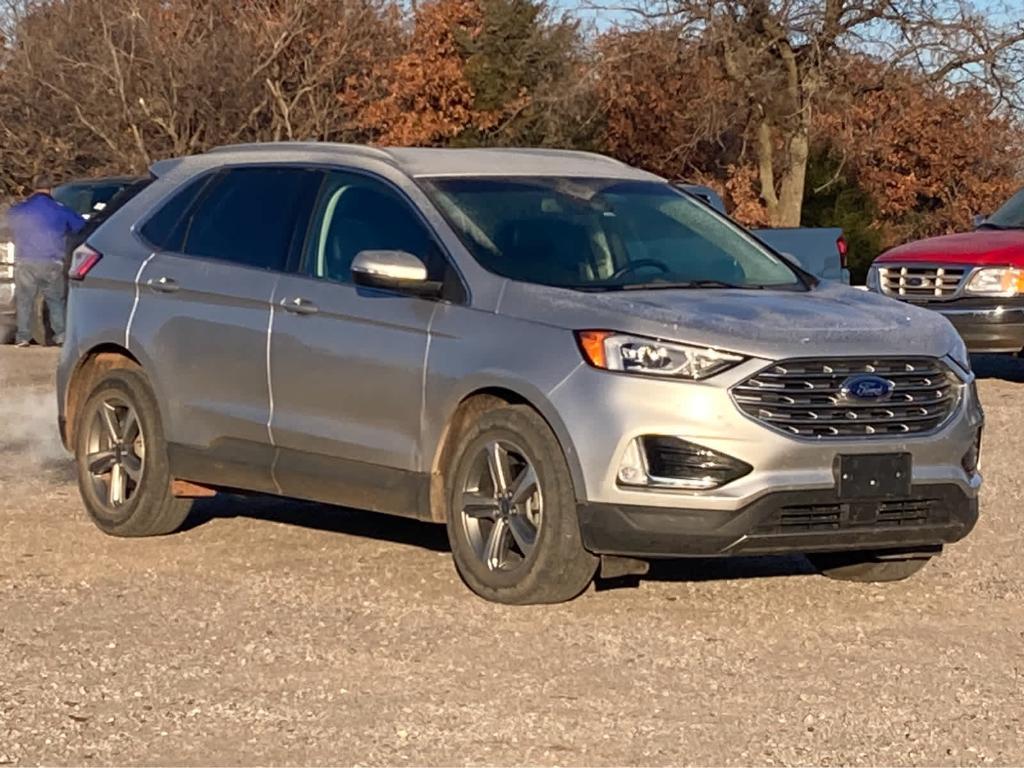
(95,200)
(87,197)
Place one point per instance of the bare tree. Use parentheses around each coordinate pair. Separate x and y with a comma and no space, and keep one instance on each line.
(87,85)
(782,56)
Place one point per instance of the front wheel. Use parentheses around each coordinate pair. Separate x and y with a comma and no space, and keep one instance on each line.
(512,519)
(869,566)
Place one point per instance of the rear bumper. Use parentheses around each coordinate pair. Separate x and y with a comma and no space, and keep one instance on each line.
(989,325)
(783,522)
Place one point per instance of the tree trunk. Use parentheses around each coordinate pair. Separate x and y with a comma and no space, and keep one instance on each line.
(791,191)
(784,204)
(766,168)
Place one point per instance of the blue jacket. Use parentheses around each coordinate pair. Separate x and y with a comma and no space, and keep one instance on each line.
(40,226)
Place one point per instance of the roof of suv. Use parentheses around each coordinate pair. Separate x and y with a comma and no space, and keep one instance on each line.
(423,161)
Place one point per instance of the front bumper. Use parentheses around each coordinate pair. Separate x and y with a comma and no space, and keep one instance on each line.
(782,522)
(986,325)
(603,413)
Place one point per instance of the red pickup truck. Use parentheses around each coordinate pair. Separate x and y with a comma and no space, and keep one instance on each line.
(976,279)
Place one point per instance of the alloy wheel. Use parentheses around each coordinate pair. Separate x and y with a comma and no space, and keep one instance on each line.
(502,506)
(115,452)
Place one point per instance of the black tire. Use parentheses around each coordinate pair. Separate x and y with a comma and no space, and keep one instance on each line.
(7,332)
(869,566)
(557,568)
(151,509)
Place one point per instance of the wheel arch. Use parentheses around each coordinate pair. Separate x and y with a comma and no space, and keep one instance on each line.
(93,364)
(471,405)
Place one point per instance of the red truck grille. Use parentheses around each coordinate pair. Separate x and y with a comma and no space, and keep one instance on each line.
(909,281)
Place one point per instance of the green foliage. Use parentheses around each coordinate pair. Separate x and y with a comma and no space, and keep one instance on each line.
(832,199)
(522,57)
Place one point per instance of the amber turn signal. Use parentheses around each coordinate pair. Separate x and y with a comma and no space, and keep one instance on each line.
(592,345)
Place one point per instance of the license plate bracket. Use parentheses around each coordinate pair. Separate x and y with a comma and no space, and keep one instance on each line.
(873,475)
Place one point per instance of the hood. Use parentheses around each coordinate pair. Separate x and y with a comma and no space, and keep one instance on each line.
(983,246)
(831,319)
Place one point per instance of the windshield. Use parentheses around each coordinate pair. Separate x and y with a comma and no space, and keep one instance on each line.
(1010,216)
(603,234)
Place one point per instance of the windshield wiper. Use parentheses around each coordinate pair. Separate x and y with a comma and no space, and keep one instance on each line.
(1001,227)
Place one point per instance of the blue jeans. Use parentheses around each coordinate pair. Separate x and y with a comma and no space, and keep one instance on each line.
(30,279)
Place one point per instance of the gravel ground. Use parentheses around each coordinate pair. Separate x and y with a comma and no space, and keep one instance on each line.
(280,633)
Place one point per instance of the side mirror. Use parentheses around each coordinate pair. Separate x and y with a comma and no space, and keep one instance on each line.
(978,219)
(395,271)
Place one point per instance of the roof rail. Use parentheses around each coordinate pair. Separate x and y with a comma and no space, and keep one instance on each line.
(304,146)
(554,152)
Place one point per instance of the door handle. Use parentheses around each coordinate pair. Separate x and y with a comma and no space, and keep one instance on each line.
(300,306)
(163,284)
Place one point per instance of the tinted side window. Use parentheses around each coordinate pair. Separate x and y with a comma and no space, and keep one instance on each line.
(250,215)
(357,213)
(165,229)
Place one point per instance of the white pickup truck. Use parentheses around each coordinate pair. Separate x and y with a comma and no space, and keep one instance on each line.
(819,250)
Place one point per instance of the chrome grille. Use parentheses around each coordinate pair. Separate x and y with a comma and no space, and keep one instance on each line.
(804,398)
(923,282)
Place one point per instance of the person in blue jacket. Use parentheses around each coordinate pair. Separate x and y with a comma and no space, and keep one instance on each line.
(40,227)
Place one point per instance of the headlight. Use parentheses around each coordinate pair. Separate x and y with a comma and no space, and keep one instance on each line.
(996,281)
(874,281)
(650,357)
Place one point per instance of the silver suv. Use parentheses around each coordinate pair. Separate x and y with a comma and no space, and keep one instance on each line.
(568,361)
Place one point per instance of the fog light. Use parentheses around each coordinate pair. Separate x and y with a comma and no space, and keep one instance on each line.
(631,469)
(971,462)
(655,461)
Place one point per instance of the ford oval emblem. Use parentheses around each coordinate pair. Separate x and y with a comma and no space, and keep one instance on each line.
(867,386)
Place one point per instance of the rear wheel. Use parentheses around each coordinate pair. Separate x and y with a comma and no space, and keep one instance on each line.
(512,519)
(123,472)
(869,566)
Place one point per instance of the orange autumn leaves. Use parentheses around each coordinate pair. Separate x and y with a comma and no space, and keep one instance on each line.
(421,96)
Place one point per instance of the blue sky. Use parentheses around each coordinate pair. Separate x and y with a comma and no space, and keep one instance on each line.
(997,10)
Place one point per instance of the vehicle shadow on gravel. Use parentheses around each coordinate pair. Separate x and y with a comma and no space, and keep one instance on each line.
(321,517)
(1006,367)
(728,568)
(431,536)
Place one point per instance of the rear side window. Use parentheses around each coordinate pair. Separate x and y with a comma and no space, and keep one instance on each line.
(165,229)
(251,216)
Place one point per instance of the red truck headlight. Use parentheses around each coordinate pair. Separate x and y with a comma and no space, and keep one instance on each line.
(996,281)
